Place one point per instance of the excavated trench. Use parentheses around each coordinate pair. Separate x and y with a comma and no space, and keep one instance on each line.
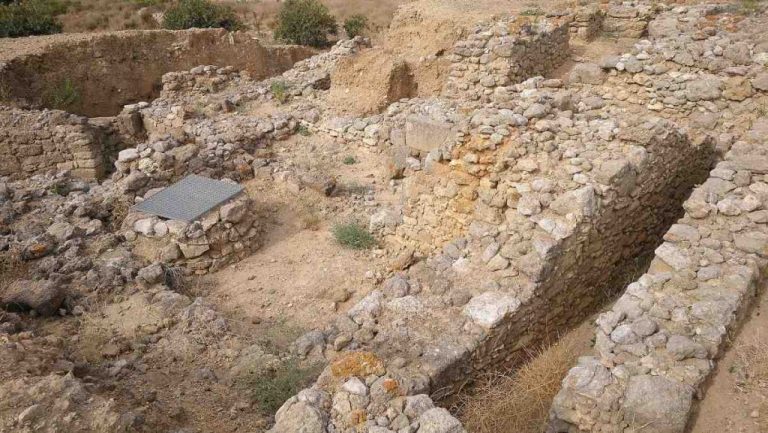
(96,75)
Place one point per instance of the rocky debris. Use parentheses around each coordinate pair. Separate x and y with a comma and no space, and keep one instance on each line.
(57,403)
(45,297)
(587,73)
(355,392)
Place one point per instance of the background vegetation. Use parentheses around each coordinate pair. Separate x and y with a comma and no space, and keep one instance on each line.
(305,22)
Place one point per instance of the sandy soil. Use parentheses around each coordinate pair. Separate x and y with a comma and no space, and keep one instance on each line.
(736,402)
(301,278)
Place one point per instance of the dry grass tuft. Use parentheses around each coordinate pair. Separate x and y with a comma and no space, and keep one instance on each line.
(753,362)
(519,402)
(12,267)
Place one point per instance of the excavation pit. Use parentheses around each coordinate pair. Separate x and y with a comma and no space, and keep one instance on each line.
(95,75)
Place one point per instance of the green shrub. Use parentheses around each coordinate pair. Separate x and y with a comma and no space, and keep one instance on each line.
(30,17)
(63,96)
(354,236)
(188,14)
(305,22)
(146,3)
(349,160)
(270,389)
(303,130)
(355,25)
(279,91)
(749,7)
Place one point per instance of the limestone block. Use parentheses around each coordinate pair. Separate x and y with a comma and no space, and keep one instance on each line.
(490,308)
(425,134)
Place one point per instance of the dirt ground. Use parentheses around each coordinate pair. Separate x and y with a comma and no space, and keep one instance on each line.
(315,277)
(737,398)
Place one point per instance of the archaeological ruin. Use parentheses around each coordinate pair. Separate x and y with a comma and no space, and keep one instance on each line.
(169,238)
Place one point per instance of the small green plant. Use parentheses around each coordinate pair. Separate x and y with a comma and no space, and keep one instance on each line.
(30,17)
(305,22)
(535,12)
(63,96)
(279,91)
(355,25)
(58,189)
(271,388)
(188,14)
(349,160)
(750,6)
(353,235)
(303,130)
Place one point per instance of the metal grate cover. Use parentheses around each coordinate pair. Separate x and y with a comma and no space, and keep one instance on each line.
(189,198)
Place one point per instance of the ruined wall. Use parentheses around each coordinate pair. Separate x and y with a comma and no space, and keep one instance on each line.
(548,239)
(224,235)
(505,52)
(110,70)
(587,22)
(628,19)
(661,336)
(37,142)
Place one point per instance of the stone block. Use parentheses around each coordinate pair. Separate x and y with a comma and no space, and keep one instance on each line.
(424,134)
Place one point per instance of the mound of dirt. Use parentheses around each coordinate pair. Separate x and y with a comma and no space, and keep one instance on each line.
(370,82)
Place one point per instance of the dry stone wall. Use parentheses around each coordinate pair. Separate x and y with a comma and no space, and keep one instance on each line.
(661,337)
(505,52)
(224,235)
(39,142)
(628,19)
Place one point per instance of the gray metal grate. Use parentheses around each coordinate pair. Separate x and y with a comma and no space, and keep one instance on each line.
(189,198)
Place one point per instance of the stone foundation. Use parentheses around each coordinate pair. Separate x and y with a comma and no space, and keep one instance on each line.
(40,142)
(662,336)
(505,52)
(224,235)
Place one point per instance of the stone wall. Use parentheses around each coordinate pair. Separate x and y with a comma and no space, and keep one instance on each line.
(224,235)
(38,142)
(543,233)
(628,19)
(505,52)
(587,22)
(109,70)
(543,249)
(661,337)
